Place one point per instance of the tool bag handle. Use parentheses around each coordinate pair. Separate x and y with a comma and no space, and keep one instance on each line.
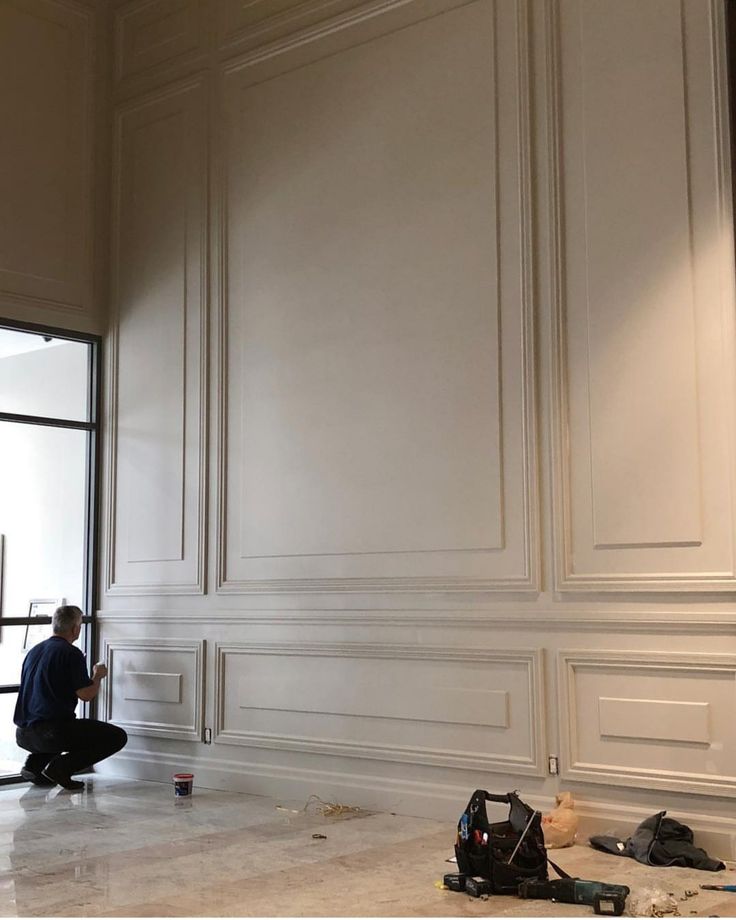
(519,812)
(504,798)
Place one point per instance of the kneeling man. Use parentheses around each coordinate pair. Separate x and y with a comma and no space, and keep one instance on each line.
(54,678)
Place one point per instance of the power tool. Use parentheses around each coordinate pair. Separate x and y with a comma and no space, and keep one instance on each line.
(455,881)
(476,886)
(605,899)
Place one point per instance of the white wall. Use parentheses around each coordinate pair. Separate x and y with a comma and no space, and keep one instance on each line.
(54,165)
(421,402)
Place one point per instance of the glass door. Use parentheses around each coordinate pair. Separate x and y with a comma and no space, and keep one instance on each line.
(49,397)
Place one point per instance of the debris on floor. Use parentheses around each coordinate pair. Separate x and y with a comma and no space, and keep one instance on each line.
(652,902)
(329,809)
(316,805)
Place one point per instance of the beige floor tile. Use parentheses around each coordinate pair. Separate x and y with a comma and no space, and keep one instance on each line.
(124,849)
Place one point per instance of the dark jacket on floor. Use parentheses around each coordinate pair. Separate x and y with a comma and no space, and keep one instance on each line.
(660,841)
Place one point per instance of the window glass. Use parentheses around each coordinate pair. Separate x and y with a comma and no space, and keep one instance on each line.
(12,757)
(15,641)
(42,518)
(41,375)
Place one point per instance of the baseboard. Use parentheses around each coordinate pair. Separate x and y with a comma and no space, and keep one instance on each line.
(295,785)
(439,801)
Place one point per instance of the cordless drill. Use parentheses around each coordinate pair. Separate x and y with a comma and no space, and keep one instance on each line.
(605,899)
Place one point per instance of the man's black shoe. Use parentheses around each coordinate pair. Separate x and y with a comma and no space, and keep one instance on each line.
(56,776)
(38,779)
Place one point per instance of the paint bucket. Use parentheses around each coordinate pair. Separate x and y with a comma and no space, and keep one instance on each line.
(183,783)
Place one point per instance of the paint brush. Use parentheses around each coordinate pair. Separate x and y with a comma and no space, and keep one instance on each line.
(718,887)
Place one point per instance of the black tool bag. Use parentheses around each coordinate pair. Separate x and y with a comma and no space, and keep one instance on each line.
(487,849)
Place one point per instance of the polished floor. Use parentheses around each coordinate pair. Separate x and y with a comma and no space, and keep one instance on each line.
(129,849)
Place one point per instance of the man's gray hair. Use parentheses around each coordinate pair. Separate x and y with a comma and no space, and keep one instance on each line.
(65,619)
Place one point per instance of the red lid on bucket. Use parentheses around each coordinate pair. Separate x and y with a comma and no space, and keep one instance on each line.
(183,776)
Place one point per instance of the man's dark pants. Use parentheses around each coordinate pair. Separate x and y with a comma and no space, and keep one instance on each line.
(87,742)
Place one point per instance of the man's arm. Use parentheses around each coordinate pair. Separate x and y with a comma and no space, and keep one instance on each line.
(87,694)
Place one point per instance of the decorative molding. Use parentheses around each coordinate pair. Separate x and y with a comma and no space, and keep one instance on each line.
(84,8)
(532,659)
(560,444)
(566,579)
(335,23)
(169,683)
(528,579)
(632,662)
(654,720)
(532,538)
(287,20)
(196,647)
(42,303)
(664,622)
(647,583)
(371,585)
(187,50)
(196,84)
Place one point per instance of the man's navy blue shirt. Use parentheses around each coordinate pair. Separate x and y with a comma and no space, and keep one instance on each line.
(52,673)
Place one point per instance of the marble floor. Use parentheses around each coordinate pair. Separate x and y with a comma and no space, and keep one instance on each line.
(129,849)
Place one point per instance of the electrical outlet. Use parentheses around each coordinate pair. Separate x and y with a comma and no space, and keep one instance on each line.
(207,736)
(553,765)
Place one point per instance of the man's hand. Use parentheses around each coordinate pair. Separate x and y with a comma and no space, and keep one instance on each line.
(87,694)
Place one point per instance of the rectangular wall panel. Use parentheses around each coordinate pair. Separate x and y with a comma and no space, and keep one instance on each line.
(155,687)
(262,688)
(645,409)
(447,707)
(372,436)
(654,719)
(46,175)
(651,719)
(159,377)
(151,686)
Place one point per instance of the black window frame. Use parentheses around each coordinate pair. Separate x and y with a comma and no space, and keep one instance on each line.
(92,485)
